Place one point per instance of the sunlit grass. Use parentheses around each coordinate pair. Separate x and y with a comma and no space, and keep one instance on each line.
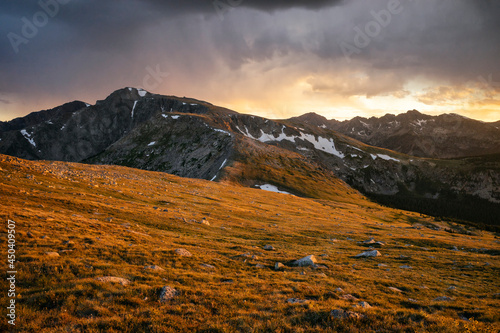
(114,221)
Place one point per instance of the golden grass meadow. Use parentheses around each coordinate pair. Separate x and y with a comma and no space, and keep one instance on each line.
(96,245)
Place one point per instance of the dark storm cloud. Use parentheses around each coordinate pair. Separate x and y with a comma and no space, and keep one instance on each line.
(267,5)
(97,46)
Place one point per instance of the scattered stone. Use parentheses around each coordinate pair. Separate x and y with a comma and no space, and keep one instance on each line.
(411,300)
(348,297)
(364,305)
(339,290)
(369,241)
(396,290)
(228,281)
(443,299)
(29,234)
(302,273)
(306,261)
(259,266)
(183,252)
(254,257)
(368,254)
(405,267)
(269,248)
(452,288)
(382,265)
(154,268)
(454,248)
(279,266)
(69,243)
(167,293)
(342,314)
(52,254)
(113,279)
(204,221)
(296,301)
(207,266)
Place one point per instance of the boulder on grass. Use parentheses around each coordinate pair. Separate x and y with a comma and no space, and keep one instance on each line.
(306,261)
(369,254)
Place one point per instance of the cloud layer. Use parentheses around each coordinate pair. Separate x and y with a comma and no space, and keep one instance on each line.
(275,58)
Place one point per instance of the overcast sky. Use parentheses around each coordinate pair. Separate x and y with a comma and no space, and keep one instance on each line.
(339,58)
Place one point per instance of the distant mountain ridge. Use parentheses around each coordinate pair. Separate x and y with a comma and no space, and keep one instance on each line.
(302,155)
(417,134)
(41,116)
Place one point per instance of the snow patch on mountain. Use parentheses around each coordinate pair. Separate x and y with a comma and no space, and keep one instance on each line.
(28,137)
(246,133)
(364,124)
(133,108)
(384,157)
(221,131)
(319,143)
(271,188)
(220,168)
(166,116)
(223,164)
(323,144)
(420,122)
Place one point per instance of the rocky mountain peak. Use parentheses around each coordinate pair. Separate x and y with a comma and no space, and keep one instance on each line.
(128,93)
(312,118)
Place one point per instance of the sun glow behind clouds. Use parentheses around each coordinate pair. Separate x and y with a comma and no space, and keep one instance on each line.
(300,97)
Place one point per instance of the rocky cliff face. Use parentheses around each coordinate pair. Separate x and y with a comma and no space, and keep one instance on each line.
(183,145)
(417,134)
(196,139)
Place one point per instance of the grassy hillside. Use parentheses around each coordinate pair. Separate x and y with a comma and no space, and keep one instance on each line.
(78,223)
(259,163)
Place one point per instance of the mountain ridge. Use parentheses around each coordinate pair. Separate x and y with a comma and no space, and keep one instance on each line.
(444,136)
(196,139)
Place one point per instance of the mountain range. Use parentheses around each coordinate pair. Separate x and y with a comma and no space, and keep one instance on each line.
(417,134)
(410,161)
